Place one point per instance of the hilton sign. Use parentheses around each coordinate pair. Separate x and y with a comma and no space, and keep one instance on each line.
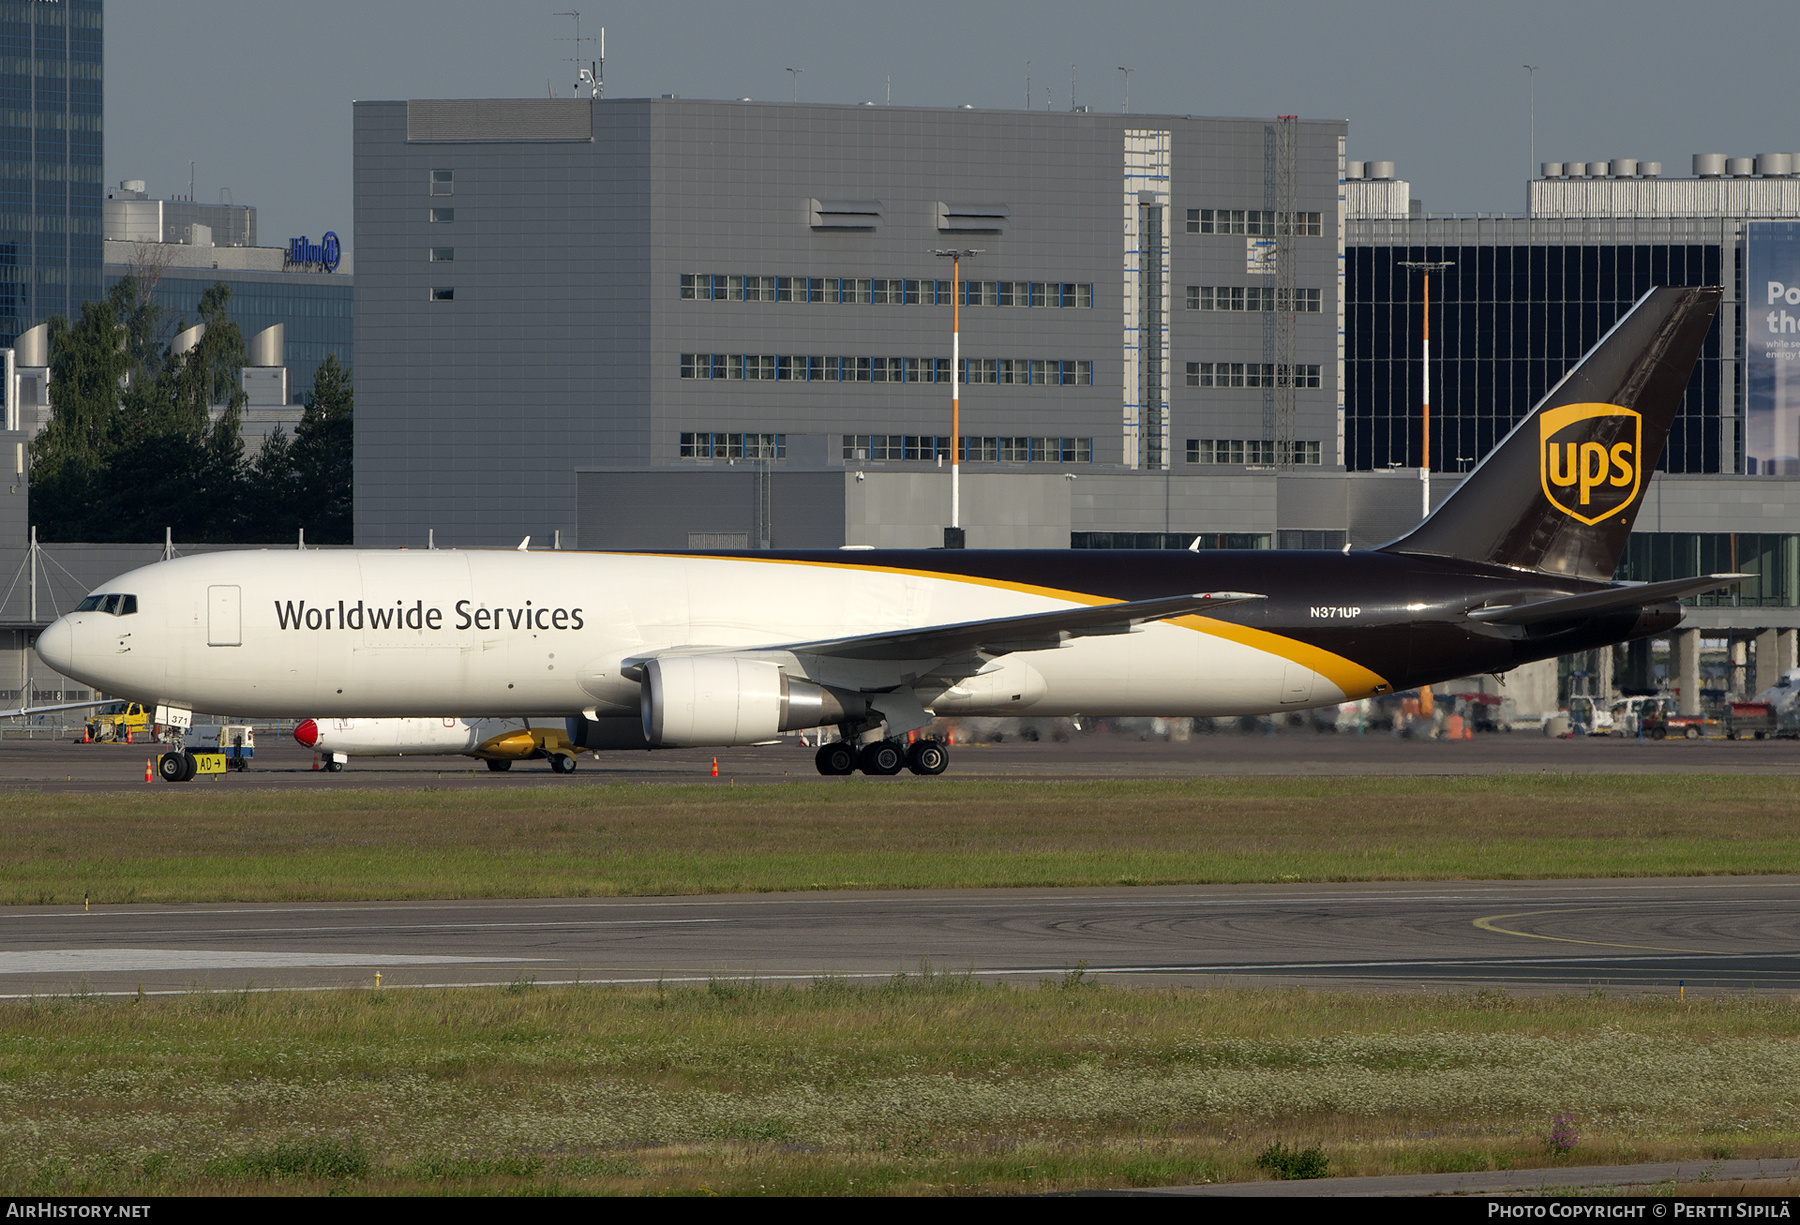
(308,256)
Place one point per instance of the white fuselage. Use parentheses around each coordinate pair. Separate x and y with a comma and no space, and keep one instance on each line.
(507,634)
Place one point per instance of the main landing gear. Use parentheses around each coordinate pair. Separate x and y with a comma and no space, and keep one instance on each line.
(883,757)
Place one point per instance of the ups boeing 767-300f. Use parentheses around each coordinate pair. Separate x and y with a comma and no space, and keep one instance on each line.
(728,648)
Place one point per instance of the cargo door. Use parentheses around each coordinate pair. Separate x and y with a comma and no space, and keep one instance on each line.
(224,617)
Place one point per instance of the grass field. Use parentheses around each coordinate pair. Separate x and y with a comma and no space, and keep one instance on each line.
(612,839)
(923,1085)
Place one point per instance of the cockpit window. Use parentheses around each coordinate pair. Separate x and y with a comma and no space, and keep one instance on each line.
(116,604)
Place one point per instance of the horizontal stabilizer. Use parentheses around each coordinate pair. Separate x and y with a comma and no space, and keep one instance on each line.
(1036,632)
(1611,599)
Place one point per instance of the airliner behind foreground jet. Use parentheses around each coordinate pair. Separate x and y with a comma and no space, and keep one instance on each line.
(729,648)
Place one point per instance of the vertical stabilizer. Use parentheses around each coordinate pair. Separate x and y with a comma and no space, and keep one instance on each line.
(1560,493)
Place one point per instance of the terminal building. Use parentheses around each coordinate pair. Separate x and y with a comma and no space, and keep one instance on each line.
(1519,297)
(656,323)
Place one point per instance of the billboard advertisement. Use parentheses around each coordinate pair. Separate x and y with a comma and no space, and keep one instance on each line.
(1772,348)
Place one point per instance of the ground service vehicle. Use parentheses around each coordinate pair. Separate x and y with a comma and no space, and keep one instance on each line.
(123,721)
(637,650)
(1749,720)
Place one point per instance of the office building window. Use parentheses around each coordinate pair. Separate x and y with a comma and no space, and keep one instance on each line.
(1249,221)
(1250,298)
(443,293)
(1248,451)
(725,445)
(878,291)
(1250,374)
(1169,540)
(443,182)
(1004,449)
(927,447)
(442,255)
(1053,372)
(442,214)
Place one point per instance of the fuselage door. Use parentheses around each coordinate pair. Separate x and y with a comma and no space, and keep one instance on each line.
(1296,684)
(224,618)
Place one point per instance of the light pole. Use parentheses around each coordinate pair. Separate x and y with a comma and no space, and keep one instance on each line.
(1127,72)
(1427,267)
(796,78)
(953,535)
(1531,73)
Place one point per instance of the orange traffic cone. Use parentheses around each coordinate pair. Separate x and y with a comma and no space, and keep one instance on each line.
(128,735)
(149,774)
(87,733)
(715,772)
(315,761)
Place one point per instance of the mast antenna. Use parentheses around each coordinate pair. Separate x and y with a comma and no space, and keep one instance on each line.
(591,75)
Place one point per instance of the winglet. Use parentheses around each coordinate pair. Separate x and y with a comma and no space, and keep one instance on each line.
(524,544)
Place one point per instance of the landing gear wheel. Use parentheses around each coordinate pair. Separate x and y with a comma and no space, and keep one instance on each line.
(498,764)
(333,765)
(927,757)
(882,757)
(174,767)
(562,763)
(835,758)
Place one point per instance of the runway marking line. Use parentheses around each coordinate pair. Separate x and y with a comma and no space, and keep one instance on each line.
(1488,924)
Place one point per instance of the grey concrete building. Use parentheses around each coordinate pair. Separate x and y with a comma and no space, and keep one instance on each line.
(623,289)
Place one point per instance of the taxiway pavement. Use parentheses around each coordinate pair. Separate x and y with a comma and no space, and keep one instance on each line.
(60,765)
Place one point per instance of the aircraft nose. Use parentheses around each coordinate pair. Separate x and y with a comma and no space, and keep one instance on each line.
(307,732)
(56,645)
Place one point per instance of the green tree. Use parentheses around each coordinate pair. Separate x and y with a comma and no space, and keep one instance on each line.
(69,458)
(324,456)
(132,446)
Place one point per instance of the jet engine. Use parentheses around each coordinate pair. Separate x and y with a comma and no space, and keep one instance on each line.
(694,700)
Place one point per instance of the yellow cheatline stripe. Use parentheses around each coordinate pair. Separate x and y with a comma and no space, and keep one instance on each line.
(1354,680)
(1488,924)
(1349,676)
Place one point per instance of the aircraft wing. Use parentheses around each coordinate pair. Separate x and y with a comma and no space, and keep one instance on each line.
(45,710)
(1033,632)
(1611,599)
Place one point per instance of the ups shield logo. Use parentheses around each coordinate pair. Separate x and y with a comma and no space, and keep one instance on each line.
(1589,459)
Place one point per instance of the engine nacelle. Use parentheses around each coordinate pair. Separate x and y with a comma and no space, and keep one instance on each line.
(694,700)
(604,734)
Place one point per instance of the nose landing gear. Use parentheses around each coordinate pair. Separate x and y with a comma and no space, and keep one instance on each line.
(176,767)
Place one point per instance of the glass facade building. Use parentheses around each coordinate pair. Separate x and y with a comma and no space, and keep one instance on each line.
(316,307)
(1507,321)
(50,160)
